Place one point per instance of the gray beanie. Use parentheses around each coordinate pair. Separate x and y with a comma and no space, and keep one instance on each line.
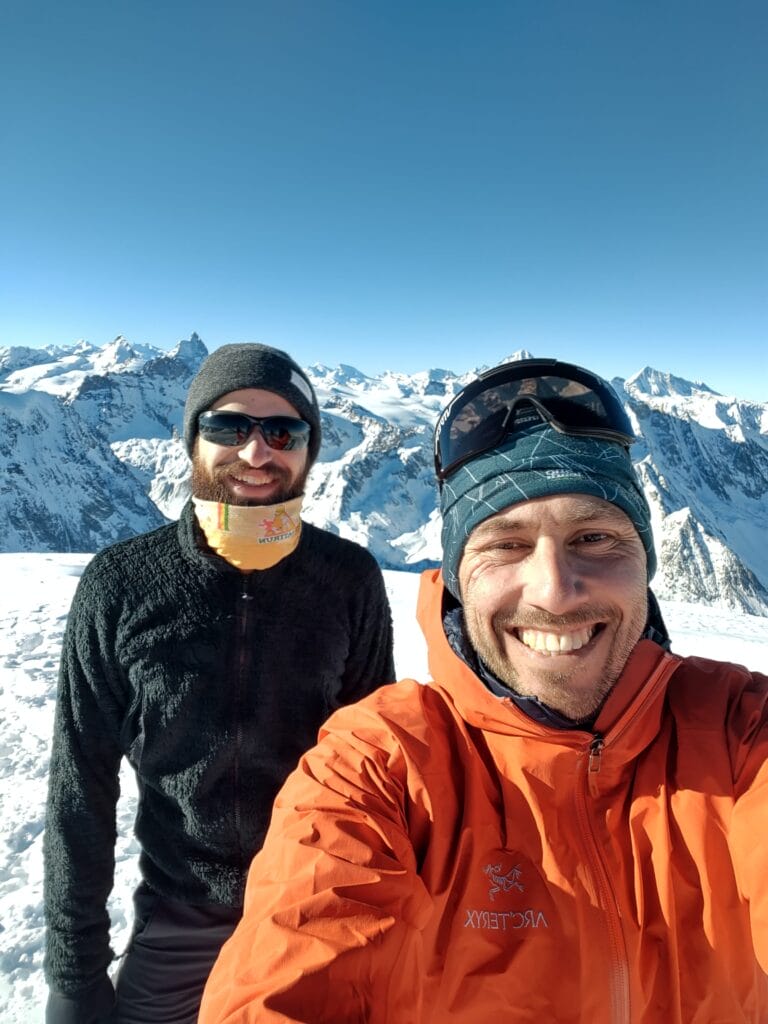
(233,367)
(538,462)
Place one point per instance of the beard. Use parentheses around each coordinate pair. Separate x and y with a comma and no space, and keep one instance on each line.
(556,689)
(213,484)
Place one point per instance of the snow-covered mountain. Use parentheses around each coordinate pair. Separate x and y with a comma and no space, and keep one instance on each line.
(89,453)
(703,460)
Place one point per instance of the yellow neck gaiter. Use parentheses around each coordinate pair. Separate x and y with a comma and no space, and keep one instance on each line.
(250,536)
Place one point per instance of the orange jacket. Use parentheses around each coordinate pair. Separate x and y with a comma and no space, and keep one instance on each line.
(439,857)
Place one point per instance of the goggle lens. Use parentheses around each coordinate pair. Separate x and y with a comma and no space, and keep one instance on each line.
(523,394)
(231,429)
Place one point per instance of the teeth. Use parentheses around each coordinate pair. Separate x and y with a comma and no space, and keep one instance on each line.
(555,643)
(254,479)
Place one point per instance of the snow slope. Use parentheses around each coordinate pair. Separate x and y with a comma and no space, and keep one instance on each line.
(34,600)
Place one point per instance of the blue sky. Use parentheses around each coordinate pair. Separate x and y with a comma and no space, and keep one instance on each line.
(392,185)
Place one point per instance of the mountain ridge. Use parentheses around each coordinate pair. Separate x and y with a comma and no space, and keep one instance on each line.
(107,461)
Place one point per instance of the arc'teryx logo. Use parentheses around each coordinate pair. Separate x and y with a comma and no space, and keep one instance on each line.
(503,883)
(508,881)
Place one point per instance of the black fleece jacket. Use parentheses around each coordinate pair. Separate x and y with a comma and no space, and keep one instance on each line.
(211,682)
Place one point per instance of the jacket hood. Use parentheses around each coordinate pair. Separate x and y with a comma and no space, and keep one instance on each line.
(632,711)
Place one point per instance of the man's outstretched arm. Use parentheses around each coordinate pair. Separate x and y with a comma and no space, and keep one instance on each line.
(334,904)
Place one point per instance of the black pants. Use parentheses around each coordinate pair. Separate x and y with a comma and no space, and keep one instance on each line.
(163,972)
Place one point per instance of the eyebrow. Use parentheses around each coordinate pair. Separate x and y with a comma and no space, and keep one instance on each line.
(581,514)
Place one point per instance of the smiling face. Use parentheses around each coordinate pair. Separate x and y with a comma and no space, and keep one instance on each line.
(251,473)
(555,597)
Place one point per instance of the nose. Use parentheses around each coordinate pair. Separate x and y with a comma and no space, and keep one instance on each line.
(551,578)
(255,451)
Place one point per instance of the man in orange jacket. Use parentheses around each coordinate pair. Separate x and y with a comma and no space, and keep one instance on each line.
(568,823)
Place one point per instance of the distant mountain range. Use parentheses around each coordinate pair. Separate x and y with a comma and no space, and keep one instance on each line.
(90,454)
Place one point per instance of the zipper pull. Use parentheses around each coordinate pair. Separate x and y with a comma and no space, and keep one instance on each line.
(595,753)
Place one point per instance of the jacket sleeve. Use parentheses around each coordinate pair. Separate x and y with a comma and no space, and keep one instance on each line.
(748,838)
(334,904)
(370,662)
(80,831)
(91,1007)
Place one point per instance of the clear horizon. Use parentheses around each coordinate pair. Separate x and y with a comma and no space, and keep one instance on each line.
(403,186)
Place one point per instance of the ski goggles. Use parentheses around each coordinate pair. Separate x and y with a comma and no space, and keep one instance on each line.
(283,433)
(518,395)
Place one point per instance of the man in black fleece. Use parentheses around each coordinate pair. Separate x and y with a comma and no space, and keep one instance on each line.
(207,653)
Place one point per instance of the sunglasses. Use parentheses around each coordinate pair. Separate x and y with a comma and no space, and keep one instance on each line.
(283,433)
(518,395)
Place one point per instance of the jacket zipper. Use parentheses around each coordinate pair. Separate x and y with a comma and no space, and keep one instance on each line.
(619,976)
(619,966)
(595,754)
(243,607)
